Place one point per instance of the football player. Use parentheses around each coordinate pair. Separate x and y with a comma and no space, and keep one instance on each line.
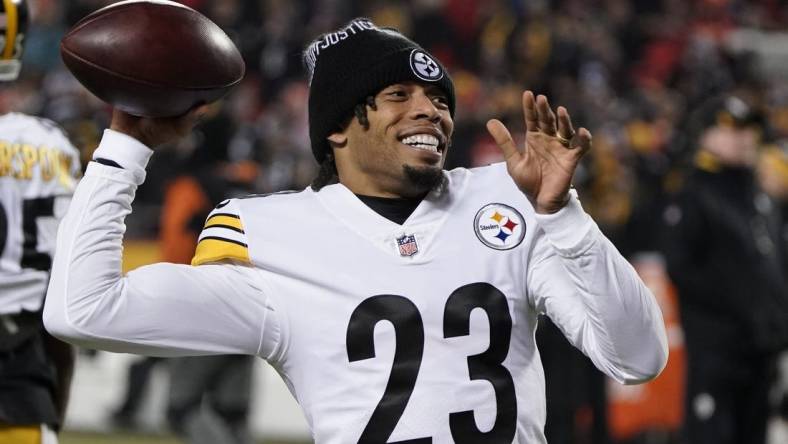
(38,171)
(397,300)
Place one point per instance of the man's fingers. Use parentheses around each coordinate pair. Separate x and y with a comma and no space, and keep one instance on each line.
(502,137)
(529,109)
(193,118)
(583,140)
(155,131)
(546,116)
(199,112)
(565,129)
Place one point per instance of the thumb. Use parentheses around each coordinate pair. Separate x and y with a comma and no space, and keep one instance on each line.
(502,137)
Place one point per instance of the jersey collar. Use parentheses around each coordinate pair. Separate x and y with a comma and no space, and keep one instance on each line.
(424,222)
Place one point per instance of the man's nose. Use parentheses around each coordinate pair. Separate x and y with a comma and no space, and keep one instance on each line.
(424,108)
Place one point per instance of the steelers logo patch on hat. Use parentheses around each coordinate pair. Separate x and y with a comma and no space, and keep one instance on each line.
(499,226)
(424,66)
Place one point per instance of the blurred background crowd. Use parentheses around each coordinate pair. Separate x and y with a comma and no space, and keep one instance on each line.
(634,72)
(643,75)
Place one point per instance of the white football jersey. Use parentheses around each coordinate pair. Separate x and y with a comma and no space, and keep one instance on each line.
(421,332)
(414,333)
(38,171)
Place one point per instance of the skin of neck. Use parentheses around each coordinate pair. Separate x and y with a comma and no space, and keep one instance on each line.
(376,186)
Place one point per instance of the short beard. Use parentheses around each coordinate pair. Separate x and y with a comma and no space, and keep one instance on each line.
(425,179)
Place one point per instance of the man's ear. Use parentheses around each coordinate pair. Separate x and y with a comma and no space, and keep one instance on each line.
(337,139)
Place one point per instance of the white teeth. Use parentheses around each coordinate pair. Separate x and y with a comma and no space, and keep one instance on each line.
(422,141)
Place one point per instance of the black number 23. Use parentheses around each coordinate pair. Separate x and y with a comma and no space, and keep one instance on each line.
(409,334)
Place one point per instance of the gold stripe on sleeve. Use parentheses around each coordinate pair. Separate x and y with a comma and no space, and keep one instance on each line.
(214,249)
(229,220)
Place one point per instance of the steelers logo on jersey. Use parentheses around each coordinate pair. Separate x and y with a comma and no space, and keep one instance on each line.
(499,226)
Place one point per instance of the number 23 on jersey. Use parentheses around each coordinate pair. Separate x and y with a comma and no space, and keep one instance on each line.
(409,333)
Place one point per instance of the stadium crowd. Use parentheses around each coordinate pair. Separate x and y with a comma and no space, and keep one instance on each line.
(634,71)
(638,74)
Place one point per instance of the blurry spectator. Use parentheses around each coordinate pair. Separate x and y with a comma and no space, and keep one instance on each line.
(137,378)
(209,396)
(772,171)
(284,136)
(773,176)
(43,40)
(725,254)
(574,390)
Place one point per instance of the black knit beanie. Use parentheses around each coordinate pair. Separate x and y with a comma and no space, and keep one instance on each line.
(358,61)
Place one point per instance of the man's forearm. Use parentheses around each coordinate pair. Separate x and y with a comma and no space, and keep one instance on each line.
(597,298)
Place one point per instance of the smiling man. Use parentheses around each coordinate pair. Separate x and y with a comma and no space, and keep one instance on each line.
(411,96)
(366,151)
(397,300)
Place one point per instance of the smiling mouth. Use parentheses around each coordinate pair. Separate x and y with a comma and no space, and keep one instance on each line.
(426,142)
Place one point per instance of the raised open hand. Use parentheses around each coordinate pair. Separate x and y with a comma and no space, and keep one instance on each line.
(544,167)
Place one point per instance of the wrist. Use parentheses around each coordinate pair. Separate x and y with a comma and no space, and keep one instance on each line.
(123,149)
(568,230)
(129,125)
(552,206)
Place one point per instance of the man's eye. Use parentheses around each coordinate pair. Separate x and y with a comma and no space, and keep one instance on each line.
(441,100)
(397,93)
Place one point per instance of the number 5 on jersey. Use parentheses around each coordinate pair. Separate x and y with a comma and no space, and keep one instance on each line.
(32,209)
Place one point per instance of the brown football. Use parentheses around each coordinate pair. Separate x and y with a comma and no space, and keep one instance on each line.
(152,58)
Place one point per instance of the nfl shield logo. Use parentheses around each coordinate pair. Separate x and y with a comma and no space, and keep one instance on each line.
(407,245)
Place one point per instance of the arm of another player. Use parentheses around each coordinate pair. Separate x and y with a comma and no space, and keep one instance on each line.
(577,277)
(161,309)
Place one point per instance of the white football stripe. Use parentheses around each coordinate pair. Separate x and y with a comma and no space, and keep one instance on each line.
(223,232)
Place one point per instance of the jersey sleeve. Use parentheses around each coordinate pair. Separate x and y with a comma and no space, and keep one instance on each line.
(589,290)
(223,237)
(161,309)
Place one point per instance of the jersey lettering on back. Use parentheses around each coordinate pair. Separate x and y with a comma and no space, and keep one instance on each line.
(39,168)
